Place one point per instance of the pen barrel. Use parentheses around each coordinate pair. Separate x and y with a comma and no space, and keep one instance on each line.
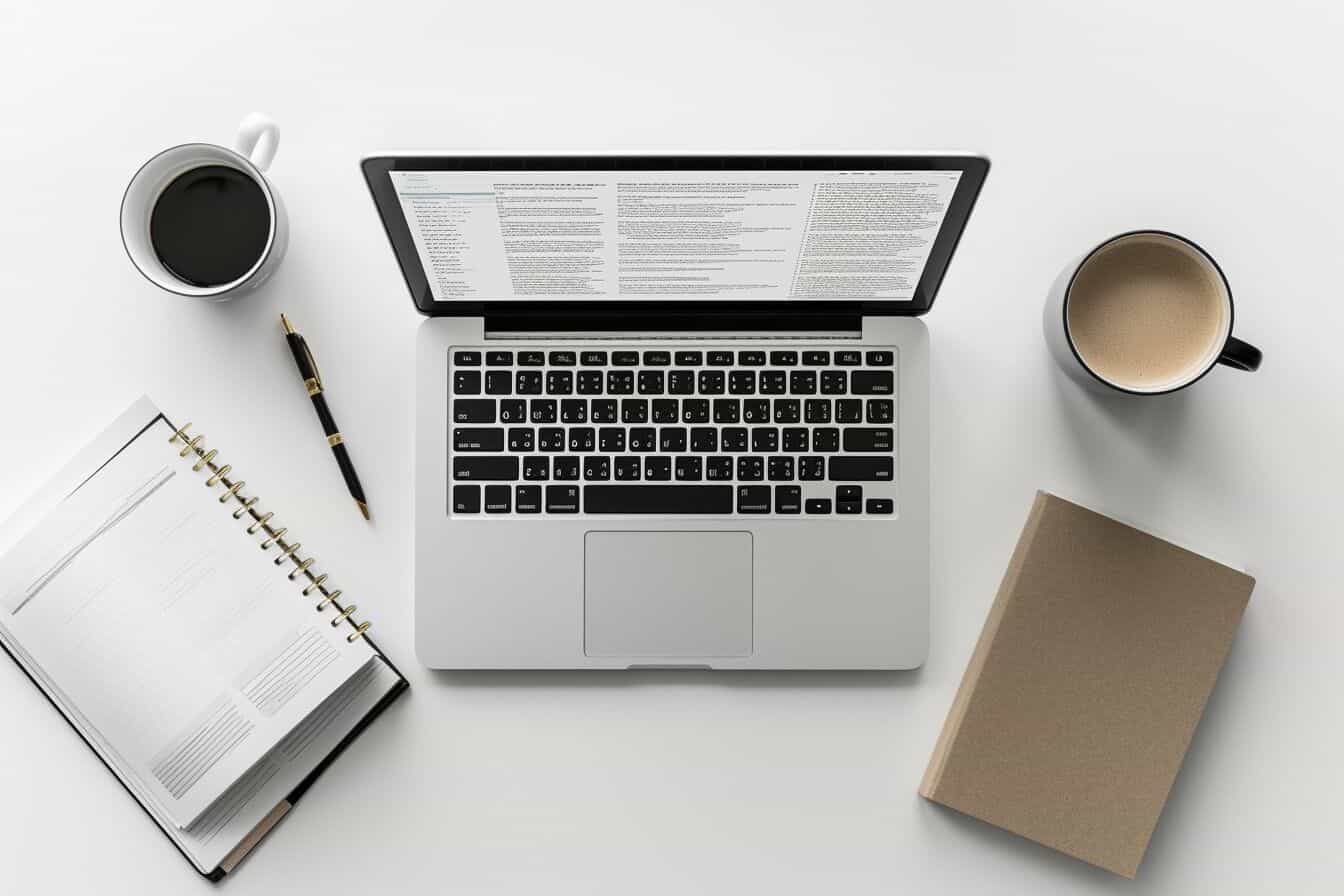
(305,364)
(329,426)
(348,471)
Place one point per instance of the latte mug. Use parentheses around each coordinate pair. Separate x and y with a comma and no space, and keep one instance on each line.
(1144,313)
(201,220)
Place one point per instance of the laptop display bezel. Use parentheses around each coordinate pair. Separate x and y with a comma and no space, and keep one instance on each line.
(377,168)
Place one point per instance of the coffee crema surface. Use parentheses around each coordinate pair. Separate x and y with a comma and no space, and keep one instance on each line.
(1148,313)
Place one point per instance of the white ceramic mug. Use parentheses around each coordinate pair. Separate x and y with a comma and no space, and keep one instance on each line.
(258,138)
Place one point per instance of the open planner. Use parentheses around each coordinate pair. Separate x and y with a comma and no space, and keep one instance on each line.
(185,636)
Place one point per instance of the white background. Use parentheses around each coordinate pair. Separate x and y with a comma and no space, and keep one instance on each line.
(1217,120)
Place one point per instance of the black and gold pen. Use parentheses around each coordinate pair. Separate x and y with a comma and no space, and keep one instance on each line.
(312,380)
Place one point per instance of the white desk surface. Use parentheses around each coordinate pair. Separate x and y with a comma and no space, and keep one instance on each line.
(1217,120)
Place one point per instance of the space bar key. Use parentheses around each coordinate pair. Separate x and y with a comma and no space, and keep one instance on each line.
(658,498)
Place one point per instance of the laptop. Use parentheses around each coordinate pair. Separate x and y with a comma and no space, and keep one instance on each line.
(672,412)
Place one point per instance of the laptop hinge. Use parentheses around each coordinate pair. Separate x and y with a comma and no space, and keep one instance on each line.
(699,326)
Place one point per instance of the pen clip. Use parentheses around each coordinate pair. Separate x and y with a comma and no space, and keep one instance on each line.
(317,374)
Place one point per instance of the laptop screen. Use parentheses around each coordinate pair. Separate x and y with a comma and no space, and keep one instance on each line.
(668,235)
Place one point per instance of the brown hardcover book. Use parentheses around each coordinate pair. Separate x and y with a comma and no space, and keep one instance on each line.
(1085,688)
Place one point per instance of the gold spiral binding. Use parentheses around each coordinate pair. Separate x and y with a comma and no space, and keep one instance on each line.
(275,535)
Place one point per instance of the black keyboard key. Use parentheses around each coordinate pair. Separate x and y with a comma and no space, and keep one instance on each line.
(590,382)
(704,439)
(527,382)
(742,382)
(812,468)
(719,468)
(467,359)
(562,499)
(625,359)
(862,469)
(681,382)
(537,468)
(478,438)
(620,382)
(486,468)
(550,439)
(671,439)
(531,359)
(733,439)
(753,499)
(658,468)
(543,410)
(849,410)
(627,468)
(499,359)
(858,438)
(573,410)
(466,499)
(711,382)
(818,505)
(643,438)
(849,493)
(664,410)
(780,468)
(881,410)
(849,507)
(582,438)
(474,410)
(562,359)
(527,499)
(522,438)
(596,468)
(559,382)
(755,410)
(795,438)
(512,410)
(685,499)
(880,359)
(650,382)
(603,410)
(751,359)
(878,506)
(816,359)
(832,382)
(826,438)
(817,410)
(466,382)
(690,359)
(872,382)
(727,410)
(783,359)
(765,439)
(657,359)
(695,410)
(750,468)
(720,359)
(498,498)
(774,382)
(565,468)
(803,382)
(688,468)
(498,382)
(848,359)
(611,440)
(634,410)
(788,499)
(787,410)
(593,359)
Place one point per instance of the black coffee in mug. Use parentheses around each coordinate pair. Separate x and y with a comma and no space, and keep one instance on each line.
(210,225)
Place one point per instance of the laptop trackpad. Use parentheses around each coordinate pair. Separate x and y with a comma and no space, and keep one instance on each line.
(667,594)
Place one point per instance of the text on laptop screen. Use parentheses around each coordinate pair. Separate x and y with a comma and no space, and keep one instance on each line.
(487,235)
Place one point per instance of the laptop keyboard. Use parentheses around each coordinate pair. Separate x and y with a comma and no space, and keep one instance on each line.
(801,431)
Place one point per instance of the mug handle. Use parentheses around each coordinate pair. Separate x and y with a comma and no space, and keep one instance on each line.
(1240,355)
(258,139)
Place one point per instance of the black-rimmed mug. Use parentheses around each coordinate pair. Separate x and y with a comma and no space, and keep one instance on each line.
(1145,313)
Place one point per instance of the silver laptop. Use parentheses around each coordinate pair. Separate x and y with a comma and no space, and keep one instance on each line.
(672,411)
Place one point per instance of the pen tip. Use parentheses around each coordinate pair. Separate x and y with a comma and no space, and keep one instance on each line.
(363,508)
(284,322)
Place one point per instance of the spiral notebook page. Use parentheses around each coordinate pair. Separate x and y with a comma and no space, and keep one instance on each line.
(188,652)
